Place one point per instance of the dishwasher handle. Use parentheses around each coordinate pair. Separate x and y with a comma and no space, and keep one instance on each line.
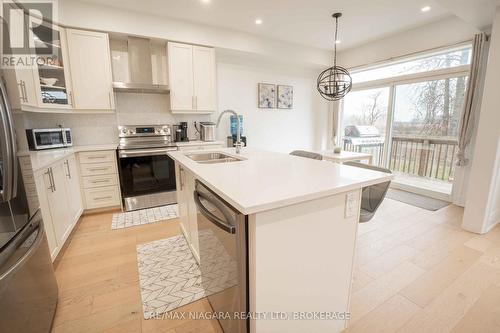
(211,217)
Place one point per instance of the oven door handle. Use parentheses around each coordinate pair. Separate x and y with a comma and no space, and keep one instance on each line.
(143,152)
(211,217)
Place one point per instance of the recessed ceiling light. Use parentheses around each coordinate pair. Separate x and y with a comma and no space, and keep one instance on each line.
(338,41)
(425,9)
(258,21)
(205,1)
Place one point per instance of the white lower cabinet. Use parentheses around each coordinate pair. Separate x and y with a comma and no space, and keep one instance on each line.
(58,188)
(74,195)
(100,179)
(187,208)
(43,201)
(55,181)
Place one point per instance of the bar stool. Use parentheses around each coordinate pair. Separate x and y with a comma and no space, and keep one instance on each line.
(307,154)
(373,195)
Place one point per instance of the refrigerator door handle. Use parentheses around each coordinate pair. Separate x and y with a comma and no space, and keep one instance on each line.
(8,167)
(34,246)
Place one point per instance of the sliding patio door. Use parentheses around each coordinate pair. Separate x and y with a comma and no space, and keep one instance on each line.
(369,107)
(424,131)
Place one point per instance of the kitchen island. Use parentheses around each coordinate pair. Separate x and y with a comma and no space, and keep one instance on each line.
(301,218)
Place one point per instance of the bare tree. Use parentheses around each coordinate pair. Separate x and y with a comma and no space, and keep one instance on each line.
(373,110)
(438,103)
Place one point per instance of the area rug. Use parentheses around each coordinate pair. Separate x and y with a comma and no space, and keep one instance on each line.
(170,277)
(416,199)
(144,216)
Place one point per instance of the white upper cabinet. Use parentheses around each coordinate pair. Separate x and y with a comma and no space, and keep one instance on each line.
(191,72)
(90,65)
(180,69)
(52,78)
(204,78)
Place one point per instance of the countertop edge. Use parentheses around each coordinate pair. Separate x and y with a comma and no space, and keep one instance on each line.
(60,153)
(285,202)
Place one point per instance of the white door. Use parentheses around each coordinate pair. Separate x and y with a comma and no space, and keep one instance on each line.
(204,78)
(58,202)
(42,189)
(180,69)
(75,206)
(90,64)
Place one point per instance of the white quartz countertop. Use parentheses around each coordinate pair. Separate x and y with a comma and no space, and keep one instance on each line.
(198,143)
(268,180)
(43,158)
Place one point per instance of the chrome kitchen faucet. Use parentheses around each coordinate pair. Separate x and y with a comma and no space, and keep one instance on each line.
(238,129)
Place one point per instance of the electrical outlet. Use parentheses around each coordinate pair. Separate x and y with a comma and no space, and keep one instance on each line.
(351,204)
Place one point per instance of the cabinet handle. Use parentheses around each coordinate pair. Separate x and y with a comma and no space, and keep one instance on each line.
(22,86)
(103,198)
(100,181)
(67,167)
(181,172)
(98,169)
(95,157)
(196,102)
(72,99)
(52,186)
(110,103)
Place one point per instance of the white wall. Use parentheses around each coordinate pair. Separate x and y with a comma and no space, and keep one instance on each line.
(302,127)
(481,208)
(89,129)
(99,17)
(441,33)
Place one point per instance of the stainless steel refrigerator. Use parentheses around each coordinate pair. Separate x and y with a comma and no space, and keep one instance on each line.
(28,288)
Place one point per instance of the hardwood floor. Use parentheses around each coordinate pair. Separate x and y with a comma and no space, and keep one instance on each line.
(418,271)
(415,271)
(99,282)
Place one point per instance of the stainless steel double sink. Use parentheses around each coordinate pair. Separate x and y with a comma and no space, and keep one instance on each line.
(213,158)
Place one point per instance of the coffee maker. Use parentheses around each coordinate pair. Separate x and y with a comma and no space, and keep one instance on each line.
(181,132)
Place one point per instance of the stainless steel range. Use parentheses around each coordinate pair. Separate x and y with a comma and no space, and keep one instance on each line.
(147,174)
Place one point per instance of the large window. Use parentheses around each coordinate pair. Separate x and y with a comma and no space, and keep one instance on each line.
(415,106)
(447,59)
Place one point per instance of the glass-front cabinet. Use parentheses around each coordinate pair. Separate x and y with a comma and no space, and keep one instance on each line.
(52,70)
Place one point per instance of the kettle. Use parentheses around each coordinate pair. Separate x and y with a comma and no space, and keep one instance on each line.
(207,131)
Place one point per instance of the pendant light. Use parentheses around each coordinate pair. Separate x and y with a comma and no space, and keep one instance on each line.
(335,82)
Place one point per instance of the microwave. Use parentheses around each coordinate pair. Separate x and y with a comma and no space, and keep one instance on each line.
(47,138)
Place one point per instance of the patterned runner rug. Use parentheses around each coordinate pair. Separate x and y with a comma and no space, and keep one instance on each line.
(170,277)
(144,216)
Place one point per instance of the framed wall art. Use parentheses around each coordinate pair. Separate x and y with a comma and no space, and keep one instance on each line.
(285,97)
(267,96)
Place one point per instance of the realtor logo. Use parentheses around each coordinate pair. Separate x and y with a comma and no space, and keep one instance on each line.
(28,35)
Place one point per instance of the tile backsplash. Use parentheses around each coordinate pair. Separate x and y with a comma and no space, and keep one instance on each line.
(88,129)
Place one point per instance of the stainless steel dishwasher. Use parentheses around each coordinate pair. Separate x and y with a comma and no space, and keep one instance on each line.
(222,234)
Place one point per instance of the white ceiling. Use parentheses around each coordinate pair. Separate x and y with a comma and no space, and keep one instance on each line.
(306,22)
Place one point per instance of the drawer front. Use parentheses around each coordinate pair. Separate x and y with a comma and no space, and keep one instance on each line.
(96,169)
(97,156)
(102,197)
(99,181)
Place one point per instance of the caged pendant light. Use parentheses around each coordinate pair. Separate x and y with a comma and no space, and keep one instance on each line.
(334,82)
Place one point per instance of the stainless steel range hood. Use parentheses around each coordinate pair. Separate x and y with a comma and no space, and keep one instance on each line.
(140,69)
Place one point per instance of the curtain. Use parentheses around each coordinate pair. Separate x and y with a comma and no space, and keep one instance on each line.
(471,99)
